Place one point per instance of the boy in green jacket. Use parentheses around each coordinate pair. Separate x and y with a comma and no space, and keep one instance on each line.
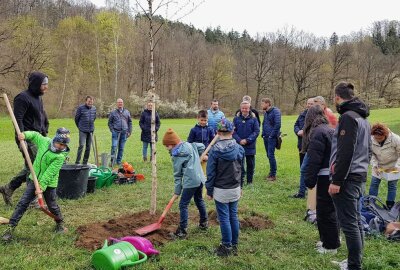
(50,157)
(189,178)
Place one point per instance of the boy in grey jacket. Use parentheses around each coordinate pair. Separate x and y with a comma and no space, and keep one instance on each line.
(189,178)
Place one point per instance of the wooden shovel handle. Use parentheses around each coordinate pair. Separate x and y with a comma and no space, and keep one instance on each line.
(169,205)
(209,147)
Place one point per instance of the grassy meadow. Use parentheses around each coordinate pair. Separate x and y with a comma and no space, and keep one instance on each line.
(289,245)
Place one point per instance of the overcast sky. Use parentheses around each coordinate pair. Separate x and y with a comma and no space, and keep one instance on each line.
(320,17)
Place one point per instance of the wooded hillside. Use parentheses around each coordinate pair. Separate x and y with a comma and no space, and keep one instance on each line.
(105,53)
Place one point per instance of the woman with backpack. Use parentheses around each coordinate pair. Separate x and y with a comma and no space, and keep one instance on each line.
(385,156)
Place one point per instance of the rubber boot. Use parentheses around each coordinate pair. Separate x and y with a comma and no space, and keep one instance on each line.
(8,234)
(389,204)
(7,193)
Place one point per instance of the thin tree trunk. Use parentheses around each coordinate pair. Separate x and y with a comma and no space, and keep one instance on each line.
(116,38)
(98,63)
(153,205)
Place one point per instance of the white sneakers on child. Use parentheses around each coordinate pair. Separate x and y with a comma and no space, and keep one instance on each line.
(323,250)
(342,264)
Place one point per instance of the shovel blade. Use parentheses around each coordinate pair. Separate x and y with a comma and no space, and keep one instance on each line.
(148,229)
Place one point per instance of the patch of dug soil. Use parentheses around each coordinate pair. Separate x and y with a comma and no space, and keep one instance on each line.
(92,236)
(256,222)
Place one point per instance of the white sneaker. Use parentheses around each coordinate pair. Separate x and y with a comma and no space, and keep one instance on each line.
(342,264)
(323,250)
(318,244)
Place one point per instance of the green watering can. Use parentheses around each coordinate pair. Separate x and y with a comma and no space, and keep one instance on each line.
(105,176)
(116,256)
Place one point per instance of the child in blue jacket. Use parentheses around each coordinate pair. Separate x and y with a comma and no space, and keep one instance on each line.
(189,178)
(201,132)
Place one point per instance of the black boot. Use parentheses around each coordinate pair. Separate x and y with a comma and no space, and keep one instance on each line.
(223,250)
(8,234)
(7,193)
(389,204)
(60,228)
(181,233)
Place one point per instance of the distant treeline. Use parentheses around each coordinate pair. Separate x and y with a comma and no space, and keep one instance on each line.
(105,53)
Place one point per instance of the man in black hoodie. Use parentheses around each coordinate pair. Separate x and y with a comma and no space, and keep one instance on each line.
(350,157)
(30,116)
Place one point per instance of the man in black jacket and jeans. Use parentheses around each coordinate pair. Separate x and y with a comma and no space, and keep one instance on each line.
(350,156)
(84,120)
(30,116)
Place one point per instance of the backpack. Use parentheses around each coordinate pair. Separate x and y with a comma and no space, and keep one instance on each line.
(376,214)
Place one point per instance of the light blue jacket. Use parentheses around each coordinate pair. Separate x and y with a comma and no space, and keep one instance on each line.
(214,117)
(187,168)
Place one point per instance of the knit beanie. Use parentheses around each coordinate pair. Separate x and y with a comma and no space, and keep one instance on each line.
(62,136)
(170,137)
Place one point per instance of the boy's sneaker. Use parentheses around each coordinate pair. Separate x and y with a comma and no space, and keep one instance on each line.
(181,233)
(60,228)
(203,225)
(223,250)
(342,264)
(234,250)
(323,250)
(8,234)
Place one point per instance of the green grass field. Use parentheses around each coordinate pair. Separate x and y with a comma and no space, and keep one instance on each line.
(289,245)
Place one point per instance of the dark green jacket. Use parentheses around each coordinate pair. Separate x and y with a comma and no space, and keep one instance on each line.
(47,164)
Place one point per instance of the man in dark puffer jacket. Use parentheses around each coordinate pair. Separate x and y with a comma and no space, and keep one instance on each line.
(84,120)
(30,116)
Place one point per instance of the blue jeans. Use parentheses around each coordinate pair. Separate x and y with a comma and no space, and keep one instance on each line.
(349,215)
(145,146)
(303,188)
(269,144)
(392,188)
(122,136)
(187,194)
(228,222)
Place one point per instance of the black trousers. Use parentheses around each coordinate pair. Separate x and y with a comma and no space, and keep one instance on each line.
(85,139)
(49,196)
(250,163)
(327,222)
(22,175)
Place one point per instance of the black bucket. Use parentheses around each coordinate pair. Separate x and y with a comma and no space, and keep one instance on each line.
(73,181)
(91,184)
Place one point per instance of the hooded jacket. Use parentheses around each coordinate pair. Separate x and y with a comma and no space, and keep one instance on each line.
(351,143)
(28,106)
(145,125)
(201,134)
(47,164)
(187,168)
(224,166)
(246,128)
(386,156)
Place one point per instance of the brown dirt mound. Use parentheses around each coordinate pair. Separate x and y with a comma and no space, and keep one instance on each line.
(256,222)
(92,236)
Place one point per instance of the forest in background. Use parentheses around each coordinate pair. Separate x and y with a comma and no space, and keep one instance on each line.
(105,53)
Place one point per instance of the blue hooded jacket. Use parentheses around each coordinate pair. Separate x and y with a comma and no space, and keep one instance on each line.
(224,165)
(246,128)
(201,134)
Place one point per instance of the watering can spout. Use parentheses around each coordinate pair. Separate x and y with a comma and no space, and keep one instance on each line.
(105,243)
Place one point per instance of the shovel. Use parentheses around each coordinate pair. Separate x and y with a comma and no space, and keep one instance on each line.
(28,160)
(155,226)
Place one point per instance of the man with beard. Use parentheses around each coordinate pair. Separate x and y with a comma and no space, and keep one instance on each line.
(30,116)
(214,115)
